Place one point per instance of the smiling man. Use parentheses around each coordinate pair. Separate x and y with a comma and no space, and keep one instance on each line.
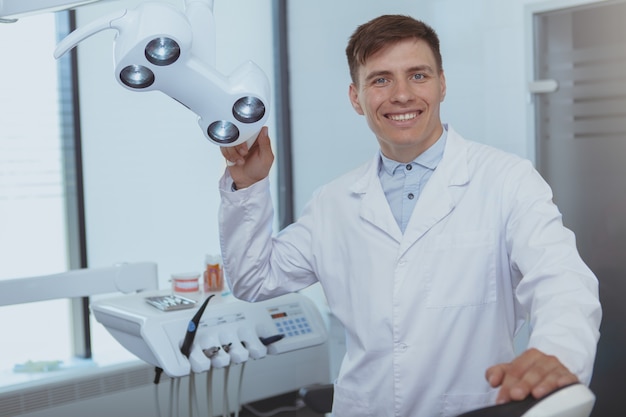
(399,90)
(464,238)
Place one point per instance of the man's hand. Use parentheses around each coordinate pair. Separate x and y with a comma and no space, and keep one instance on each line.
(533,372)
(247,166)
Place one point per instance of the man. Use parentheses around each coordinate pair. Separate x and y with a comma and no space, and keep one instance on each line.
(432,255)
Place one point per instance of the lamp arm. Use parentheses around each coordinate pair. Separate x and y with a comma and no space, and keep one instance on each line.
(82,33)
(200,16)
(124,277)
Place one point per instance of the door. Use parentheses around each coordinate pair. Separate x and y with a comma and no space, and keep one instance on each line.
(580,60)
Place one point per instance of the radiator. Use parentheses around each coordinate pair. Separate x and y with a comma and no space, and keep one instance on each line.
(95,384)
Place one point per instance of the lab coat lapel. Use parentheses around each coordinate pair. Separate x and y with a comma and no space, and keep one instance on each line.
(441,192)
(436,201)
(374,206)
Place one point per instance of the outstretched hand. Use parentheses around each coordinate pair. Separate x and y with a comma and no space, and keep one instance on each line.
(532,373)
(249,165)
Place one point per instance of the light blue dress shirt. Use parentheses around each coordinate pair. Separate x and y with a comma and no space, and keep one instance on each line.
(403,183)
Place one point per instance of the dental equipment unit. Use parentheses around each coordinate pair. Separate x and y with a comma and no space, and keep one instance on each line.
(221,334)
(250,330)
(575,400)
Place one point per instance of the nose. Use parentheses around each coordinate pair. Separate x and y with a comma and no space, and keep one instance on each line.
(402,92)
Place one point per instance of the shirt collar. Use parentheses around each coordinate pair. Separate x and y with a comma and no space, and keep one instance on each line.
(428,159)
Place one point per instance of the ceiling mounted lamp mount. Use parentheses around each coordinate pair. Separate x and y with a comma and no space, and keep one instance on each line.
(159,47)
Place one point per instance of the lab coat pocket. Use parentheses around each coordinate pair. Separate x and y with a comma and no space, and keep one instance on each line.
(456,404)
(461,270)
(348,403)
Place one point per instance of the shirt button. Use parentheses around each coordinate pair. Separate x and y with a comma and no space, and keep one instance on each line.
(411,196)
(402,347)
(409,167)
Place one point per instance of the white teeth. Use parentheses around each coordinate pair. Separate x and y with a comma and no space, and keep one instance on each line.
(402,117)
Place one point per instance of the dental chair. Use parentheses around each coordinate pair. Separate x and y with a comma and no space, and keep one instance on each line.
(574,400)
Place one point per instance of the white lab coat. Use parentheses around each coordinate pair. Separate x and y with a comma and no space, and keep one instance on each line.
(427,312)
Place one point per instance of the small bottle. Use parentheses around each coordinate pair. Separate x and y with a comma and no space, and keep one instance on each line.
(213,274)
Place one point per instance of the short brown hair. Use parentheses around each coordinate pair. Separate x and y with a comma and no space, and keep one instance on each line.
(374,35)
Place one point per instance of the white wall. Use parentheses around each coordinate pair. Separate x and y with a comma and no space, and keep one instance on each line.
(484,46)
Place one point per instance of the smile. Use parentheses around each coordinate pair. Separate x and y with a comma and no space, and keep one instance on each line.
(403,117)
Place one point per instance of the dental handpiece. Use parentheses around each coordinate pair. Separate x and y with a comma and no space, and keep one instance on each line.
(192,327)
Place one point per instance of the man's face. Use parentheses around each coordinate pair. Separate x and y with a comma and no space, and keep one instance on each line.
(399,92)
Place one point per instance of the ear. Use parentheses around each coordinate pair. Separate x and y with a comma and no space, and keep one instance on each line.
(442,81)
(353,93)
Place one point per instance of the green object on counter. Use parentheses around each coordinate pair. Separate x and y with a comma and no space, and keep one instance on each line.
(37,366)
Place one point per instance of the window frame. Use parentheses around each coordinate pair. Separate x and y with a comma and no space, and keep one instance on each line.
(73,180)
(71,235)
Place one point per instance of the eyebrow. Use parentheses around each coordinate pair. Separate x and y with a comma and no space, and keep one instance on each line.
(383,73)
(376,74)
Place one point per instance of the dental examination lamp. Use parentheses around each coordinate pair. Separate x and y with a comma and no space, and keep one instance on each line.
(158,47)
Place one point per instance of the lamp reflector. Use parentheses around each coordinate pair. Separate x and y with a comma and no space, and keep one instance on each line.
(248,109)
(137,76)
(223,131)
(162,51)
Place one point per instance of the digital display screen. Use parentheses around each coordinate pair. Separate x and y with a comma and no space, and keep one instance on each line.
(279,315)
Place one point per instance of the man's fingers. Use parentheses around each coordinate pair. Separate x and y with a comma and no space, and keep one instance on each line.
(263,139)
(495,374)
(502,376)
(532,373)
(235,154)
(558,378)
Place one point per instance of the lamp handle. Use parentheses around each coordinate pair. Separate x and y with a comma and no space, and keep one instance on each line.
(82,33)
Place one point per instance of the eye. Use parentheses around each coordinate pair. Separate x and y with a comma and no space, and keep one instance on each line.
(380,81)
(419,77)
